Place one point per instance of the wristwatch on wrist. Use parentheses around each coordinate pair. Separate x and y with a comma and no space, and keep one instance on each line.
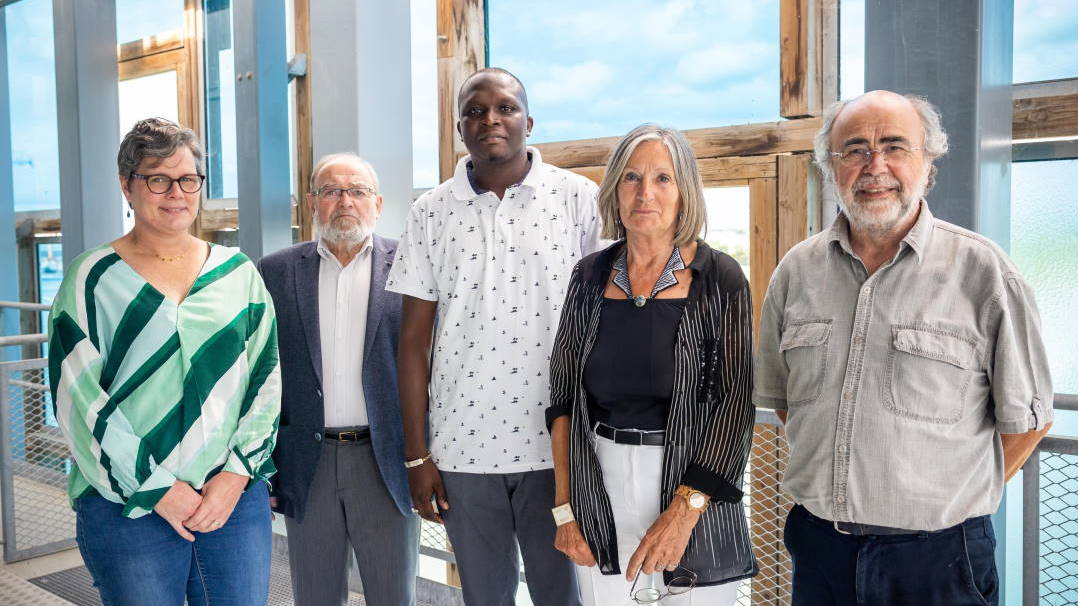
(696,500)
(563,514)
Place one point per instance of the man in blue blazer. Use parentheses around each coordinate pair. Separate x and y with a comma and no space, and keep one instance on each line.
(340,458)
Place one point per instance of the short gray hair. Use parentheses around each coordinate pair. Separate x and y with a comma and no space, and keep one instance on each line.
(333,158)
(155,138)
(693,220)
(935,144)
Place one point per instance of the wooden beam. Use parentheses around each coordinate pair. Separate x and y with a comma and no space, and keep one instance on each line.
(795,73)
(826,39)
(793,201)
(741,140)
(189,82)
(763,244)
(151,45)
(712,170)
(1054,116)
(462,40)
(154,64)
(216,219)
(304,144)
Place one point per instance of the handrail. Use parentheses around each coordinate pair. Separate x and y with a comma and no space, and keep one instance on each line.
(25,306)
(1065,401)
(31,339)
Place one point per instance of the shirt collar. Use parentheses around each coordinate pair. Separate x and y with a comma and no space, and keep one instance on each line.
(463,189)
(917,238)
(325,253)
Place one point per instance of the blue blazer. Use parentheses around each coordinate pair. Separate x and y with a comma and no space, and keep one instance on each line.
(291,276)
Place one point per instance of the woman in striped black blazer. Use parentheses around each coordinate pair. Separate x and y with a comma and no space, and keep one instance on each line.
(651,375)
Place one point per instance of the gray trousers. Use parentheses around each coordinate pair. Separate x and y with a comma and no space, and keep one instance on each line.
(348,504)
(489,515)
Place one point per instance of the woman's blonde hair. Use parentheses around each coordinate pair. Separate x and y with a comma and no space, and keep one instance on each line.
(692,219)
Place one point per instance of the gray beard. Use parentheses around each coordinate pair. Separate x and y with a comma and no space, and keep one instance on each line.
(349,238)
(864,220)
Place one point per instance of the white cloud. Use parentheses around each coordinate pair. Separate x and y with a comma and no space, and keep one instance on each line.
(580,82)
(724,60)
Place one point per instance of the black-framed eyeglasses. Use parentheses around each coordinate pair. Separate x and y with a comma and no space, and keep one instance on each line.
(679,585)
(162,184)
(862,156)
(334,194)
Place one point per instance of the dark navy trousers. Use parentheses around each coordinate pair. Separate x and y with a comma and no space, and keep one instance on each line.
(951,567)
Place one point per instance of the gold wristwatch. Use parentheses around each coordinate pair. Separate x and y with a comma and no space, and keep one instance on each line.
(696,500)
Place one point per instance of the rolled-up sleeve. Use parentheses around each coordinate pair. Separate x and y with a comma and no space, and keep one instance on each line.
(1020,382)
(769,388)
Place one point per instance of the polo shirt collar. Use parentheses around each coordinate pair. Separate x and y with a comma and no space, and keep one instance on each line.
(461,185)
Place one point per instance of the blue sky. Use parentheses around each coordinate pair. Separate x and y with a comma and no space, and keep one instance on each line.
(600,68)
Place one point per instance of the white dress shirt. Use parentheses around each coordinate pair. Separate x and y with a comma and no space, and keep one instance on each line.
(343,293)
(498,270)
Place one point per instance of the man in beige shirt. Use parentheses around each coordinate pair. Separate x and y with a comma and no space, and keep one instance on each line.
(906,352)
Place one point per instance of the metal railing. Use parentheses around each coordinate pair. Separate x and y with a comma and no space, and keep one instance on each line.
(1050,519)
(37,519)
(28,339)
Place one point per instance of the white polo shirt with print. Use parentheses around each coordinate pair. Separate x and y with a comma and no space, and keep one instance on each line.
(499,270)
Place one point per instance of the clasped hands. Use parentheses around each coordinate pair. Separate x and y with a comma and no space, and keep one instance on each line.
(188,511)
(661,548)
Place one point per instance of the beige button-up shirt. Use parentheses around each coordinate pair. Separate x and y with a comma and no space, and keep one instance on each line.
(343,294)
(898,384)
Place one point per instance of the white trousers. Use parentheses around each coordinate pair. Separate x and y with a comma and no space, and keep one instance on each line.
(633,477)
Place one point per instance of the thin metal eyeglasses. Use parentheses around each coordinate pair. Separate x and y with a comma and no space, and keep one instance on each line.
(862,156)
(334,194)
(162,184)
(678,585)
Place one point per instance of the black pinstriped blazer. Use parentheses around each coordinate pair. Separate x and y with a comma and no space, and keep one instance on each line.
(709,427)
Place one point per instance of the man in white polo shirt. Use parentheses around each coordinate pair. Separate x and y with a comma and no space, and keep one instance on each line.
(483,266)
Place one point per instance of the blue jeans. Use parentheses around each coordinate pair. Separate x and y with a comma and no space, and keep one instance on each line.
(143,561)
(951,567)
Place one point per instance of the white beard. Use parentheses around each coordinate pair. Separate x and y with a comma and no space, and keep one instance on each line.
(884,215)
(350,237)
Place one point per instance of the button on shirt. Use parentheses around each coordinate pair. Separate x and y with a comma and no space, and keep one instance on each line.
(499,270)
(898,383)
(343,293)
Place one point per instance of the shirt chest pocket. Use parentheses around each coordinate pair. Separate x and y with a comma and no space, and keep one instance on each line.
(929,373)
(804,347)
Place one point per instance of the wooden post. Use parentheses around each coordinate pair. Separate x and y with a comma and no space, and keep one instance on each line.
(462,41)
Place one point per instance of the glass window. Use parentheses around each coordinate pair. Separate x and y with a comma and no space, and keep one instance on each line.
(1045,40)
(424,95)
(1044,237)
(138,19)
(728,224)
(32,91)
(851,48)
(688,65)
(220,101)
(148,97)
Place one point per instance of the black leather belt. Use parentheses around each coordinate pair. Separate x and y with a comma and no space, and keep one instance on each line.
(352,435)
(631,436)
(863,530)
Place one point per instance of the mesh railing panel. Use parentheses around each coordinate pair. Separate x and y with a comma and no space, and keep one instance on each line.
(35,463)
(1059,529)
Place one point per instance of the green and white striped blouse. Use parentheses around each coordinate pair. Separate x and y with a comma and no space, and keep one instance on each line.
(148,392)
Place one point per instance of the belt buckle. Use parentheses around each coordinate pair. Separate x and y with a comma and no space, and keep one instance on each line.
(839,530)
(348,436)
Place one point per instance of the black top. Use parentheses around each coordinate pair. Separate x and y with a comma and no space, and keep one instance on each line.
(629,375)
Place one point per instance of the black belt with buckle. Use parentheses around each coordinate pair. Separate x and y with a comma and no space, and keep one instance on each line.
(862,530)
(352,435)
(631,436)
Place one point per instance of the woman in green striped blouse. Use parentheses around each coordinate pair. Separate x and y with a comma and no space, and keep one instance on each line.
(164,374)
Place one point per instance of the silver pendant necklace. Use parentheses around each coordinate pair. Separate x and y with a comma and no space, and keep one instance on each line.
(666,278)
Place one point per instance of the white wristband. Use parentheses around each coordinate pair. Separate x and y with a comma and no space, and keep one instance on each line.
(563,514)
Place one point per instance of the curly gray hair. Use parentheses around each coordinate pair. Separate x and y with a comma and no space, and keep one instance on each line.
(155,138)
